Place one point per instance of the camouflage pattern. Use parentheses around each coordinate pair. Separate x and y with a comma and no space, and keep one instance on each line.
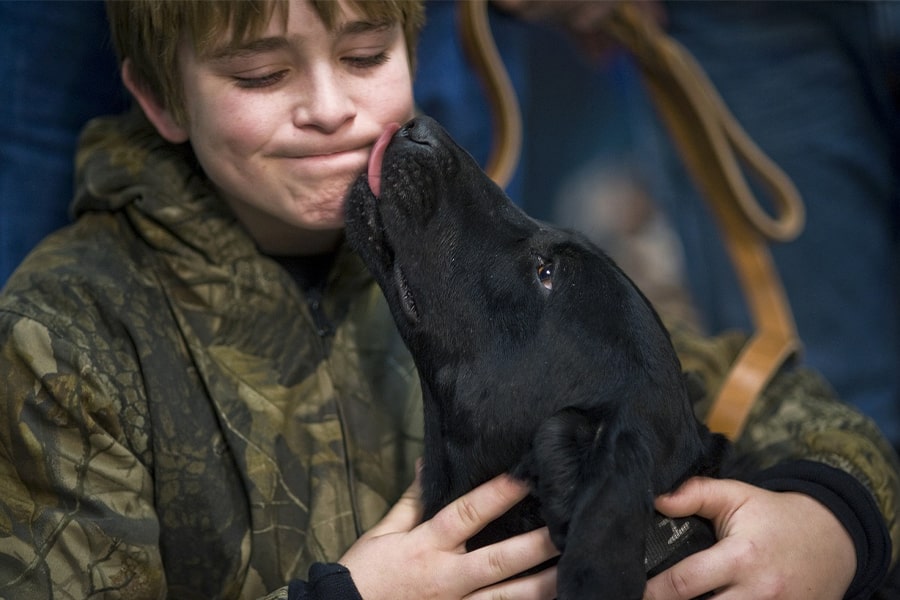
(174,424)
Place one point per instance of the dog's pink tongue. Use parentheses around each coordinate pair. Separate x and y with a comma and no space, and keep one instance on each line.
(377,157)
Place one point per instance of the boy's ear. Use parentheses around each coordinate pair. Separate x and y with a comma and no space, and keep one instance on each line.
(160,116)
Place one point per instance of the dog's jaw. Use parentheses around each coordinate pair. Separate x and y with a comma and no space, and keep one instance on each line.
(370,241)
(368,234)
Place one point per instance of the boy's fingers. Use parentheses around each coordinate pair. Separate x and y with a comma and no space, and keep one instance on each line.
(502,560)
(538,586)
(468,514)
(702,496)
(690,578)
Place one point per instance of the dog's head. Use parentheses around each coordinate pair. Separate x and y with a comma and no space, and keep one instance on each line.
(481,292)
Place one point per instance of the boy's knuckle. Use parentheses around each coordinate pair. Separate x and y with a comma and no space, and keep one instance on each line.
(467,512)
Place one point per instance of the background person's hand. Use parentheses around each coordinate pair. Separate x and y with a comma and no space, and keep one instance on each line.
(402,559)
(582,19)
(771,545)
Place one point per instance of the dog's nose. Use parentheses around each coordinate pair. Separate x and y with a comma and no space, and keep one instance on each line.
(422,130)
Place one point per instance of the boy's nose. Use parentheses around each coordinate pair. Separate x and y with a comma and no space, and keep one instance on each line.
(323,103)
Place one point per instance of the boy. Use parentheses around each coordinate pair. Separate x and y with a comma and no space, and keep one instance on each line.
(204,392)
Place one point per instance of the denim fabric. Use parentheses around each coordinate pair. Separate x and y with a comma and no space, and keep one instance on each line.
(57,69)
(446,88)
(809,82)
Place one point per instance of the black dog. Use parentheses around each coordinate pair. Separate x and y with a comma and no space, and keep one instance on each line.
(537,356)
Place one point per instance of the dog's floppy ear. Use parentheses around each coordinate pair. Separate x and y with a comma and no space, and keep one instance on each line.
(555,466)
(593,482)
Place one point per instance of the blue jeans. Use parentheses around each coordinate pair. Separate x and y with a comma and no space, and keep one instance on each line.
(807,81)
(58,70)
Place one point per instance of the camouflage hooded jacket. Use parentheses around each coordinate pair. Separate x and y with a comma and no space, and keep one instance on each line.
(176,421)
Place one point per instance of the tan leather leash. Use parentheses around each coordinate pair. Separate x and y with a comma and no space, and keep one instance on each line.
(713,146)
(478,43)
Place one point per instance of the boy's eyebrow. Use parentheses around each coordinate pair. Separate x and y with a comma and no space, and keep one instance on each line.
(254,46)
(269,44)
(354,27)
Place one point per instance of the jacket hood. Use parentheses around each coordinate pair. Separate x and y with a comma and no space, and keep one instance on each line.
(122,164)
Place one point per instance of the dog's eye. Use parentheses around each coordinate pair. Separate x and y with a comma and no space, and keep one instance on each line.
(545,274)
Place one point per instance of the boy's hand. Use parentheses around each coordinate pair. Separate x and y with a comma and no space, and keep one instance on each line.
(771,545)
(400,558)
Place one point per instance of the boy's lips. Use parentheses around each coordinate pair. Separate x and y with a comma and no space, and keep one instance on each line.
(347,163)
(376,157)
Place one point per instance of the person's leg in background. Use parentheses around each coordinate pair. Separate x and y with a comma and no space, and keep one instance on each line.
(58,71)
(808,82)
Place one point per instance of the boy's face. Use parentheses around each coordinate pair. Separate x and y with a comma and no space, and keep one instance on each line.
(284,124)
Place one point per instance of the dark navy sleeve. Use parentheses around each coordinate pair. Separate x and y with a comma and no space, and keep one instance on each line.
(327,581)
(854,507)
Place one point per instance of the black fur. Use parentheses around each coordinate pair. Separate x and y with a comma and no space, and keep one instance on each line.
(576,389)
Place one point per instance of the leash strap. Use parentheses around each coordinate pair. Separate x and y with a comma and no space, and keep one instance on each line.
(478,43)
(714,148)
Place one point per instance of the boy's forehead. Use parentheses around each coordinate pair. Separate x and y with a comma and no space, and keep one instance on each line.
(267,32)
